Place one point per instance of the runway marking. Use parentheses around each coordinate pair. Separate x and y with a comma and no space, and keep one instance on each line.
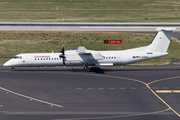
(168,91)
(176,91)
(122,88)
(101,88)
(120,116)
(111,88)
(154,88)
(133,88)
(164,91)
(147,85)
(38,100)
(163,79)
(165,87)
(79,88)
(90,88)
(160,97)
(176,87)
(163,101)
(118,27)
(144,88)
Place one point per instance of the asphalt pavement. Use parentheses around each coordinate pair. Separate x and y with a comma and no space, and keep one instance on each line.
(65,26)
(104,93)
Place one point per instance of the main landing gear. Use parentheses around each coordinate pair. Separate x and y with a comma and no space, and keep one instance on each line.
(86,68)
(12,69)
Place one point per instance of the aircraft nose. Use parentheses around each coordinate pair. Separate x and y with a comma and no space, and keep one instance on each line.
(7,64)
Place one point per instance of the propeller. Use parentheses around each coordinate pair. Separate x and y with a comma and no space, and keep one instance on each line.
(62,55)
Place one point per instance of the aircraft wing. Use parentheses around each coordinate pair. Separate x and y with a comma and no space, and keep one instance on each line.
(83,52)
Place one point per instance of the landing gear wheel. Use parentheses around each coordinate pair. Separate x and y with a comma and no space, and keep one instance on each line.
(12,69)
(86,68)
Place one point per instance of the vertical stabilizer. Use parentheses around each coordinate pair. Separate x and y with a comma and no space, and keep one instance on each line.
(162,40)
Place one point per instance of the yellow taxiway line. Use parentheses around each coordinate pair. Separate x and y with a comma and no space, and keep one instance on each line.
(167,91)
(176,91)
(164,91)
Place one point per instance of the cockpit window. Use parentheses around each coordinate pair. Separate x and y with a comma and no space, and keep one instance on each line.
(17,57)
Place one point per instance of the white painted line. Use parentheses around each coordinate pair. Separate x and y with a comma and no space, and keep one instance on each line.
(30,97)
(118,27)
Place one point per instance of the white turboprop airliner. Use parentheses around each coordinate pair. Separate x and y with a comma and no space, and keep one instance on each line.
(84,57)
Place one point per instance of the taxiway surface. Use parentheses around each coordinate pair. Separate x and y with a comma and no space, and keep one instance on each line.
(110,93)
(68,26)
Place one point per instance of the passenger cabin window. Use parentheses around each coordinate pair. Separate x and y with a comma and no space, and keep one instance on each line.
(54,58)
(17,57)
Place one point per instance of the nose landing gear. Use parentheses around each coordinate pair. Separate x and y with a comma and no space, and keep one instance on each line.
(12,69)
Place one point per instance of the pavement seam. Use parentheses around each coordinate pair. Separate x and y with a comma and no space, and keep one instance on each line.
(31,98)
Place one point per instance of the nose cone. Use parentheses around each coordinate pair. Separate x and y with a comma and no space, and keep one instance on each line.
(7,64)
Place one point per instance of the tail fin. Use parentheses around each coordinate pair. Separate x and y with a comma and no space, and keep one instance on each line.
(161,41)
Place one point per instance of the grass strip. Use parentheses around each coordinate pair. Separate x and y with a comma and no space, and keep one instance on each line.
(89,11)
(15,42)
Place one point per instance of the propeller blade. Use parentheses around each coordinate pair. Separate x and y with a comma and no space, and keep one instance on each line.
(62,50)
(62,55)
(64,61)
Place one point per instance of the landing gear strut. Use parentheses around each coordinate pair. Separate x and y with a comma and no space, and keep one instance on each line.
(86,68)
(12,69)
